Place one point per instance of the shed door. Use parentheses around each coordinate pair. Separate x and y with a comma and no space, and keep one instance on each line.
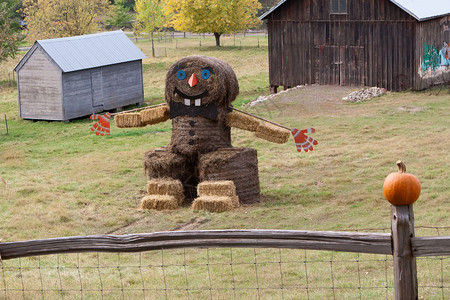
(97,88)
(340,65)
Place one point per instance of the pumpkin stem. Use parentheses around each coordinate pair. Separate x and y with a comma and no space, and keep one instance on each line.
(401,167)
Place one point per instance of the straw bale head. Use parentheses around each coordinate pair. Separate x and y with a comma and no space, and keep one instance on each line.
(201,80)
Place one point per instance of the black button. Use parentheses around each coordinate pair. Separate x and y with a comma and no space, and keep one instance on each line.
(192,123)
(191,142)
(191,132)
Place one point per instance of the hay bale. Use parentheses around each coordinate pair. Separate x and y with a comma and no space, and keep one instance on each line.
(214,203)
(216,188)
(239,165)
(273,133)
(166,186)
(127,120)
(202,136)
(159,202)
(243,121)
(155,115)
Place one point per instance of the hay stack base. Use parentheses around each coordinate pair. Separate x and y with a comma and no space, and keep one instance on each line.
(214,203)
(159,202)
(217,188)
(216,196)
(163,194)
(170,187)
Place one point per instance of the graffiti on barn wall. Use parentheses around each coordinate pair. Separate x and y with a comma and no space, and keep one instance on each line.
(435,62)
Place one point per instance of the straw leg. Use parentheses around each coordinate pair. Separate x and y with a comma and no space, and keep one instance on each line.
(163,165)
(240,165)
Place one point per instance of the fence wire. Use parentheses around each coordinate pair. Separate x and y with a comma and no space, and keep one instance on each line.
(225,273)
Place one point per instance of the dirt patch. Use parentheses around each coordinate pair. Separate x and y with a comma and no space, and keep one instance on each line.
(194,223)
(410,109)
(306,100)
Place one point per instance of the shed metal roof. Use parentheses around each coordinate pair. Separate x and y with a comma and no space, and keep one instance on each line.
(90,51)
(419,9)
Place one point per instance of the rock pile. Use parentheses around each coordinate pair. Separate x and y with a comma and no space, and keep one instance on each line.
(364,94)
(268,97)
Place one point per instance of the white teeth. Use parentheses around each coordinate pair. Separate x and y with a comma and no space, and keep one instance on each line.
(198,102)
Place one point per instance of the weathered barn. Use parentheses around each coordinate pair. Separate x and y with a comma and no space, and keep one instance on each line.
(394,44)
(67,78)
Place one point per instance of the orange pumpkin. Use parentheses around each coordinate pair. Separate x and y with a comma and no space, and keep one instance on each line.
(401,188)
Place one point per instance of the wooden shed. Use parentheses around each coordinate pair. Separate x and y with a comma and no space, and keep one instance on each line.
(394,44)
(67,78)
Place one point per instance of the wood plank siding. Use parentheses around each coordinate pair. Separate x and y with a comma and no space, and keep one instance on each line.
(39,88)
(374,44)
(105,88)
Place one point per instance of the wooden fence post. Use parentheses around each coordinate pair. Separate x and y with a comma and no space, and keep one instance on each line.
(405,269)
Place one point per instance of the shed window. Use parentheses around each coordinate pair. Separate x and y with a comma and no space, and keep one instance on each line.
(338,6)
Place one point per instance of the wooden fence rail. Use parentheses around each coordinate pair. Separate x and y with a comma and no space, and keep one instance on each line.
(376,243)
(400,243)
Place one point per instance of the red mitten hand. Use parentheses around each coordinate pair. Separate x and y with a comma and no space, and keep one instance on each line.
(302,140)
(102,126)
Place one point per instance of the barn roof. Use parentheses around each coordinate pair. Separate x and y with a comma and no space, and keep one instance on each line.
(419,9)
(88,51)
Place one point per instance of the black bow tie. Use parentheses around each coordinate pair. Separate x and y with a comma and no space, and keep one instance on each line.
(208,111)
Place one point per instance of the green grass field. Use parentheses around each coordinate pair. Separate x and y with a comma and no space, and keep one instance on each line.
(62,180)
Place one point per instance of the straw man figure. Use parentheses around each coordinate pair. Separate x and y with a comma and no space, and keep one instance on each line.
(200,164)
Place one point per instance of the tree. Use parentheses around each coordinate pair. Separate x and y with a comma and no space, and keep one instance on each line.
(10,30)
(59,18)
(119,16)
(213,16)
(150,18)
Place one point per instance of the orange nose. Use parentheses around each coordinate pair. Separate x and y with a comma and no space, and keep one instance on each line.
(193,80)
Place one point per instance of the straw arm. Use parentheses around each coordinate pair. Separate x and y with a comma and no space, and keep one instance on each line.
(262,119)
(138,109)
(149,115)
(263,129)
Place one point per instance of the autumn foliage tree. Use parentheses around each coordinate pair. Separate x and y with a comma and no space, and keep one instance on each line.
(10,31)
(150,18)
(119,14)
(59,18)
(213,16)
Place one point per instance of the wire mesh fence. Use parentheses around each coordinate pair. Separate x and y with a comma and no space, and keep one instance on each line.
(217,273)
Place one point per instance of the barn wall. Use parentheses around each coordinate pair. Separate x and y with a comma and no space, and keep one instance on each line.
(432,63)
(105,88)
(39,88)
(373,44)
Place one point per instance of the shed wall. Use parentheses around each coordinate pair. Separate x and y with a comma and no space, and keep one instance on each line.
(39,88)
(105,88)
(373,44)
